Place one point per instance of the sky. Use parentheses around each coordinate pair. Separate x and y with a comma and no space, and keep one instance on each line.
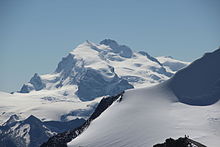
(36,34)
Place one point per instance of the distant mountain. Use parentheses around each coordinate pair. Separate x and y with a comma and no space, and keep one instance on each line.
(103,69)
(32,132)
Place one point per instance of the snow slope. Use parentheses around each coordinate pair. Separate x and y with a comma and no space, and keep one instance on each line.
(199,83)
(182,105)
(148,116)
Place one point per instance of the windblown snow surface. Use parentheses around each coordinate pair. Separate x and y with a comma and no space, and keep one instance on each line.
(148,116)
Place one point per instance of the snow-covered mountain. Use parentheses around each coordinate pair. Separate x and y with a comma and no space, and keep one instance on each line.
(188,104)
(86,73)
(103,69)
(79,82)
(32,131)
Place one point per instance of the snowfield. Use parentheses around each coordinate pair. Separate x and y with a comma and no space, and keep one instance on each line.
(45,105)
(148,116)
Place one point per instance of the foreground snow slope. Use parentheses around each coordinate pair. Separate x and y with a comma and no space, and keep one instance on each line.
(148,116)
(188,103)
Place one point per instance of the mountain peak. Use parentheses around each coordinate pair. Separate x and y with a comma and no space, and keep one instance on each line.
(87,42)
(32,119)
(109,42)
(14,118)
(123,50)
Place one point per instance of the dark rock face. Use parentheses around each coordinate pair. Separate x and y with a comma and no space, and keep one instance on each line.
(32,132)
(199,83)
(61,139)
(180,142)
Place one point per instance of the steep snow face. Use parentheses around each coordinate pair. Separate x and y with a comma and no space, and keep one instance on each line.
(172,65)
(93,76)
(147,116)
(83,67)
(199,83)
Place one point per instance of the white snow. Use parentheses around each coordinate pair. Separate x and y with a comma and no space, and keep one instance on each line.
(100,57)
(148,116)
(139,70)
(171,64)
(44,104)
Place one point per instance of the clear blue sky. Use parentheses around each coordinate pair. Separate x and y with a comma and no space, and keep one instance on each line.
(36,34)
